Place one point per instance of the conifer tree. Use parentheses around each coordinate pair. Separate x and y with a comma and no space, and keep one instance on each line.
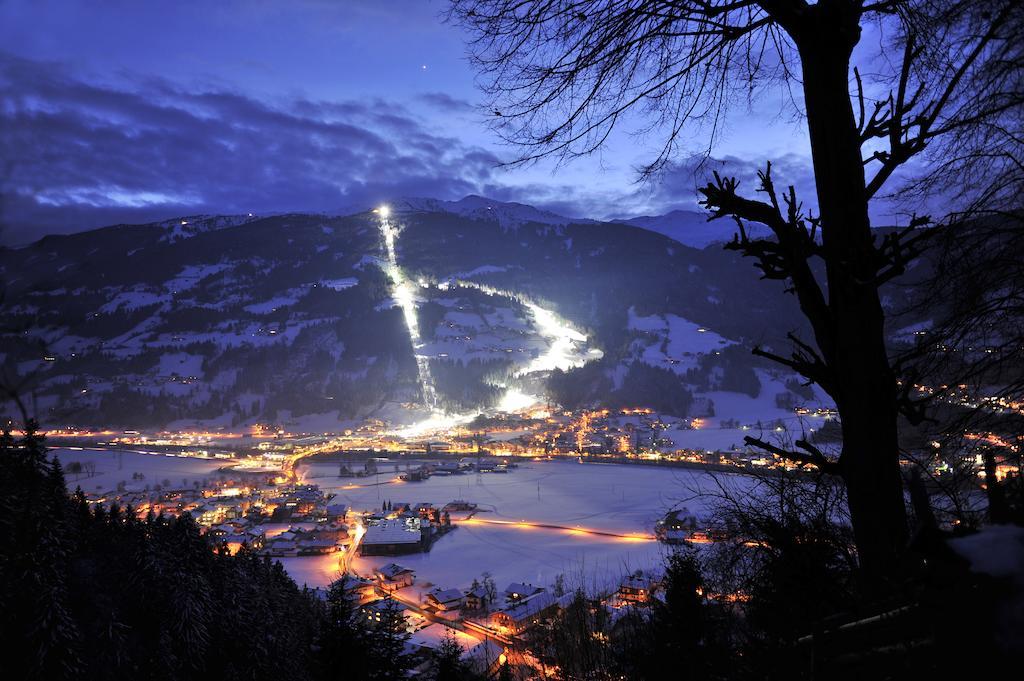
(447,662)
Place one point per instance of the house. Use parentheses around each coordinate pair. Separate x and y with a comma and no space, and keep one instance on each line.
(672,537)
(220,531)
(393,576)
(314,547)
(675,526)
(336,511)
(235,542)
(444,599)
(389,538)
(376,612)
(517,618)
(282,547)
(448,468)
(458,505)
(476,599)
(517,592)
(636,588)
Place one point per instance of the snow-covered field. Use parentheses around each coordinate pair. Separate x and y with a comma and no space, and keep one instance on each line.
(621,499)
(115,466)
(672,342)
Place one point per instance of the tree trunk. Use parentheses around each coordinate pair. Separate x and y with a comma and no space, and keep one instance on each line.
(854,346)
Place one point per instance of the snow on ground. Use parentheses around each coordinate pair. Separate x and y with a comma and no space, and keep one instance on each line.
(997,550)
(537,556)
(313,571)
(192,275)
(908,334)
(180,363)
(132,300)
(619,498)
(114,466)
(749,412)
(433,635)
(271,305)
(483,269)
(339,284)
(253,334)
(622,499)
(673,342)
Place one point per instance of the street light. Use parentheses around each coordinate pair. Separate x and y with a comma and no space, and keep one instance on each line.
(384,211)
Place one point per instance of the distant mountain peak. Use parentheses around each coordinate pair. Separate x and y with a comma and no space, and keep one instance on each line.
(188,226)
(508,214)
(690,227)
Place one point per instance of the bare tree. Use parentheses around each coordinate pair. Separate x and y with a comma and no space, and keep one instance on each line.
(563,74)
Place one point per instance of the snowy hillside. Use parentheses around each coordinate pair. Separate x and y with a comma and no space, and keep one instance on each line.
(690,227)
(506,214)
(225,321)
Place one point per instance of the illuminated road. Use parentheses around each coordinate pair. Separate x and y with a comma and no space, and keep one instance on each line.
(466,626)
(346,558)
(581,531)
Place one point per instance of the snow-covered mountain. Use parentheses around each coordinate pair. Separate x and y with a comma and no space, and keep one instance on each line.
(690,227)
(508,214)
(226,320)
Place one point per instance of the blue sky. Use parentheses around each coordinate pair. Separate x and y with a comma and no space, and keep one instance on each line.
(125,111)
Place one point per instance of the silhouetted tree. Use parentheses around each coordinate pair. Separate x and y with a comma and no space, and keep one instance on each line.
(447,663)
(562,75)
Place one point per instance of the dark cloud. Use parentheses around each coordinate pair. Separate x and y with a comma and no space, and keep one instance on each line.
(676,188)
(445,102)
(79,154)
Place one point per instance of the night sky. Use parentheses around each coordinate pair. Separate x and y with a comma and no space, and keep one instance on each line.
(127,111)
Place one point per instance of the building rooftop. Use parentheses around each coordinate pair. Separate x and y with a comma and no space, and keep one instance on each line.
(520,590)
(531,607)
(392,570)
(446,595)
(390,533)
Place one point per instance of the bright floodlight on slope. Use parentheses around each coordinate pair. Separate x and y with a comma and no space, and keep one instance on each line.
(384,211)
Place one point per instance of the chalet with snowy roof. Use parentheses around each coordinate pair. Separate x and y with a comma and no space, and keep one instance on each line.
(336,511)
(333,531)
(476,599)
(517,592)
(517,618)
(637,588)
(310,546)
(444,599)
(391,538)
(458,505)
(281,548)
(220,531)
(393,576)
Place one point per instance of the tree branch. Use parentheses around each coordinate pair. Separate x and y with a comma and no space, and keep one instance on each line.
(811,456)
